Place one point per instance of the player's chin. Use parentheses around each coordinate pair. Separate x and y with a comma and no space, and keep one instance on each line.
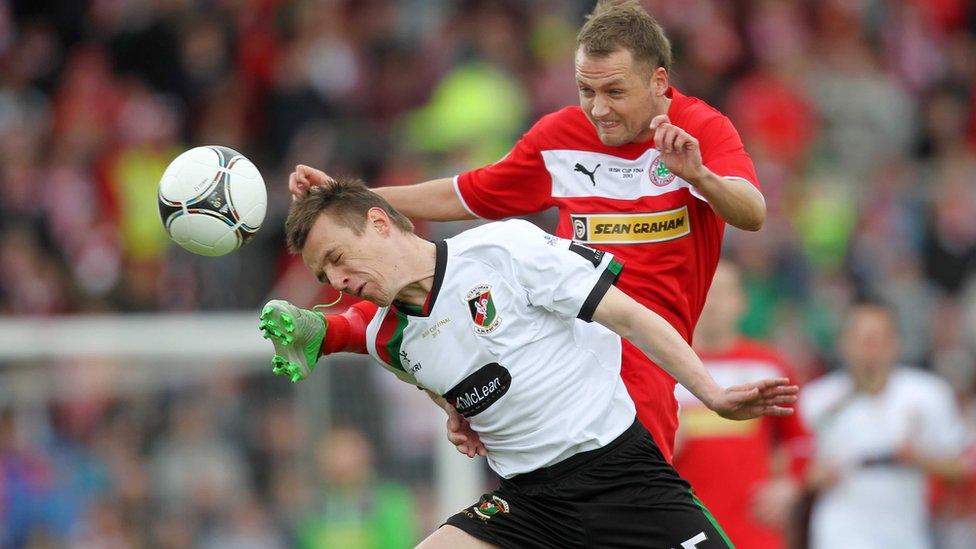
(612,138)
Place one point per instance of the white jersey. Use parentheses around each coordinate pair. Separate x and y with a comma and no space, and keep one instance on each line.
(499,338)
(877,503)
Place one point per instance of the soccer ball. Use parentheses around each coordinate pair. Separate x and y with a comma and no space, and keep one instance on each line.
(212,200)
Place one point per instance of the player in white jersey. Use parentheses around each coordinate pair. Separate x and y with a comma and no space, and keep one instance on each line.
(882,431)
(488,323)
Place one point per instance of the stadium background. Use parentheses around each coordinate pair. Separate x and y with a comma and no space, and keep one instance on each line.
(860,116)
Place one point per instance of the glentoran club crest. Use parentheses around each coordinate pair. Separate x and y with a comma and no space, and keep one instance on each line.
(491,506)
(482,309)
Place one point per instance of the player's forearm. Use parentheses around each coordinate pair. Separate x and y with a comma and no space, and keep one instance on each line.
(433,200)
(951,469)
(440,401)
(659,341)
(664,345)
(734,200)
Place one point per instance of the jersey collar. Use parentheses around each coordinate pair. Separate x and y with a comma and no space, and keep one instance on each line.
(440,265)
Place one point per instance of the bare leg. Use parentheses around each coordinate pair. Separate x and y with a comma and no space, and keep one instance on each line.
(451,537)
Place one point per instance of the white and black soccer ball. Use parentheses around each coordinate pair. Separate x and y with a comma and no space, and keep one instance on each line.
(212,200)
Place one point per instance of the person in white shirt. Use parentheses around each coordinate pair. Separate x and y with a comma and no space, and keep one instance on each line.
(881,429)
(494,323)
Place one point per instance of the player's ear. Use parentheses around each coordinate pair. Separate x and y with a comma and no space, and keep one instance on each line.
(660,81)
(378,220)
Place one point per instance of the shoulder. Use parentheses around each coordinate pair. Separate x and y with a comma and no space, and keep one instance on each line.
(565,117)
(920,385)
(764,352)
(697,117)
(499,238)
(827,382)
(820,392)
(565,127)
(490,232)
(756,349)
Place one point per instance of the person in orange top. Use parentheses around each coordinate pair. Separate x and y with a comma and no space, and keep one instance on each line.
(745,472)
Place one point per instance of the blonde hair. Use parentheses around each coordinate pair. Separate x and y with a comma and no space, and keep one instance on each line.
(625,24)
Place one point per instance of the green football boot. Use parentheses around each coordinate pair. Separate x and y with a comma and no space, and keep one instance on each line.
(297,335)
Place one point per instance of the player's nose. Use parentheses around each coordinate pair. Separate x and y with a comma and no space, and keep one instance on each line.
(600,107)
(337,279)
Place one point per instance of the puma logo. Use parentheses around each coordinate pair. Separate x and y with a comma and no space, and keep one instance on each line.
(589,173)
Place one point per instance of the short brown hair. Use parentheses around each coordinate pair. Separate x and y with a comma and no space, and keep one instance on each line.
(624,24)
(347,200)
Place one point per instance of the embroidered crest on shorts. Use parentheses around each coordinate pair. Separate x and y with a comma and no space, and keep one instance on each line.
(490,506)
(482,309)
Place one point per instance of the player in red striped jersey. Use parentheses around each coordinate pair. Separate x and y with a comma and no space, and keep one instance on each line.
(747,472)
(638,169)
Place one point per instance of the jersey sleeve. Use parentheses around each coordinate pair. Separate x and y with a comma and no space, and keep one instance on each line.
(518,184)
(723,152)
(560,275)
(942,430)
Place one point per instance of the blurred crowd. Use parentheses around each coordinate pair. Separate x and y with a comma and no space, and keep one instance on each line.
(232,463)
(859,115)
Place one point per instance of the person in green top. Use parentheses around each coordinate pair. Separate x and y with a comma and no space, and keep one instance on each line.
(355,509)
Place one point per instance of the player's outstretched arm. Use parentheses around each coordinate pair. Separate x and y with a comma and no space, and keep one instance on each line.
(433,200)
(664,345)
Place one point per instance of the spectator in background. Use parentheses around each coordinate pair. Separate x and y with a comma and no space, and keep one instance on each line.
(954,504)
(881,430)
(756,491)
(193,464)
(246,526)
(356,510)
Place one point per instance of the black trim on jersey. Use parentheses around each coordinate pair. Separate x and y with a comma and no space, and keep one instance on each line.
(593,256)
(600,289)
(440,265)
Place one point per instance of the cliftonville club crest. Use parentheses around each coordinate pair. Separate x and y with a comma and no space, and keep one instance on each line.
(660,175)
(482,309)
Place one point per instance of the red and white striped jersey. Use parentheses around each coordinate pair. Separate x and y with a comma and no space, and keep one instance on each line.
(624,201)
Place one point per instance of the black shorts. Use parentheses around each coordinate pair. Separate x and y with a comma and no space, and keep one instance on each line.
(622,495)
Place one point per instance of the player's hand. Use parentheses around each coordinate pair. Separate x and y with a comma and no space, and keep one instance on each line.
(768,397)
(462,436)
(304,178)
(680,151)
(821,476)
(773,501)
